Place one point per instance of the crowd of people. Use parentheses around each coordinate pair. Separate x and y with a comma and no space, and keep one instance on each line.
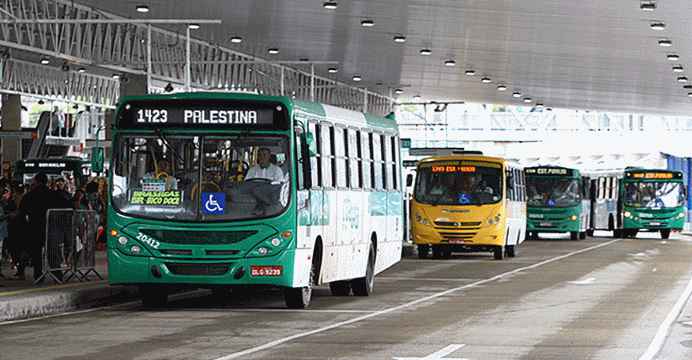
(23,219)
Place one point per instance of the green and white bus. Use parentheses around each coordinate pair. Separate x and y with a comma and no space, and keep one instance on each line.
(75,171)
(333,216)
(558,201)
(633,200)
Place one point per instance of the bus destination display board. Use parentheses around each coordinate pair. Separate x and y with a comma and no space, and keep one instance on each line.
(654,175)
(202,114)
(549,171)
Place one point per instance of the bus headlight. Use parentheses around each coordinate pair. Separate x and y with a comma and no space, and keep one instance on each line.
(494,220)
(135,249)
(122,240)
(262,250)
(681,214)
(575,217)
(628,214)
(276,242)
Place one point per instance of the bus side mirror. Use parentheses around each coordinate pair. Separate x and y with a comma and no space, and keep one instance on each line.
(97,159)
(310,141)
(409,179)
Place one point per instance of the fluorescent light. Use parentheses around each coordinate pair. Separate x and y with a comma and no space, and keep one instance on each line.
(45,61)
(485,80)
(682,79)
(333,70)
(142,8)
(330,5)
(193,26)
(273,51)
(658,25)
(367,22)
(357,78)
(689,94)
(425,52)
(527,100)
(399,39)
(673,57)
(416,97)
(678,68)
(665,42)
(516,94)
(648,6)
(398,91)
(450,63)
(470,72)
(81,70)
(236,39)
(501,88)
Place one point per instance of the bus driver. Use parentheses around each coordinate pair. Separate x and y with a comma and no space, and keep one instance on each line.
(265,192)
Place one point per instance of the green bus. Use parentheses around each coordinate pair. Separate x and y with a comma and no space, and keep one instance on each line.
(75,171)
(632,200)
(558,201)
(186,207)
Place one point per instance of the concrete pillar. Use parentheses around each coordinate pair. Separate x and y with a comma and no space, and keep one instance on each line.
(11,120)
(134,85)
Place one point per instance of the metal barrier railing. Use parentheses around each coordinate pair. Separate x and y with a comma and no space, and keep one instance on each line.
(70,247)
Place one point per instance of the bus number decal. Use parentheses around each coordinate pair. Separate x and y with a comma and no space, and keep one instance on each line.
(152,116)
(148,240)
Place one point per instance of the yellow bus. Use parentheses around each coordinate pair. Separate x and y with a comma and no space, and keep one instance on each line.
(468,203)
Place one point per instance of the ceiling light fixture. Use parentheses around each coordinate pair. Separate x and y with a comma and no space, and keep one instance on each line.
(673,57)
(193,26)
(142,8)
(357,78)
(45,61)
(236,39)
(502,87)
(330,5)
(470,72)
(398,91)
(116,76)
(527,100)
(687,87)
(678,68)
(273,51)
(450,63)
(81,70)
(485,80)
(665,42)
(399,39)
(648,6)
(657,25)
(682,79)
(367,22)
(333,70)
(516,94)
(539,105)
(416,97)
(689,94)
(425,52)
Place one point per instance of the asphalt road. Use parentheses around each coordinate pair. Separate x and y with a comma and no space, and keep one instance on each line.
(599,298)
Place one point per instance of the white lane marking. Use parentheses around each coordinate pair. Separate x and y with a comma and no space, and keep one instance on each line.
(660,337)
(414,302)
(423,279)
(583,282)
(438,355)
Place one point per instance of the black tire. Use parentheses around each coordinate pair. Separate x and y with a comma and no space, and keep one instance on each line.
(436,252)
(363,286)
(510,250)
(153,296)
(446,254)
(617,233)
(423,251)
(340,288)
(574,235)
(589,233)
(582,235)
(499,252)
(665,233)
(299,298)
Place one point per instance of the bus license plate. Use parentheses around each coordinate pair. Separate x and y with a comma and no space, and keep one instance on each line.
(457,241)
(546,224)
(265,270)
(655,223)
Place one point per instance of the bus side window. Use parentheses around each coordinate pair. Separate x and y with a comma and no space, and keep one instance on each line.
(367,159)
(316,161)
(354,159)
(327,155)
(340,157)
(600,194)
(376,148)
(388,161)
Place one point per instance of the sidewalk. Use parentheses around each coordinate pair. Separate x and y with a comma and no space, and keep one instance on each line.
(23,299)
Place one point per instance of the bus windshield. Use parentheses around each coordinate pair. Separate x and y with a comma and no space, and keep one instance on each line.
(654,194)
(455,184)
(193,177)
(552,192)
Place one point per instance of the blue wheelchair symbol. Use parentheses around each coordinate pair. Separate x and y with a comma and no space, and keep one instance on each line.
(551,202)
(464,199)
(213,203)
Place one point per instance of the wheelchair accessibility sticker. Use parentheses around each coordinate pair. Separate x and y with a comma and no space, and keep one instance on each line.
(464,199)
(213,203)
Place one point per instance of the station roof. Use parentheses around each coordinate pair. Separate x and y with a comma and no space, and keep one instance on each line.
(602,55)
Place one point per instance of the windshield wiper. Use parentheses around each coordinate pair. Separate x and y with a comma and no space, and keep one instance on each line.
(168,144)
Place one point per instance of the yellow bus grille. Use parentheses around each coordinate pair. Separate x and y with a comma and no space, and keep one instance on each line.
(457,224)
(458,235)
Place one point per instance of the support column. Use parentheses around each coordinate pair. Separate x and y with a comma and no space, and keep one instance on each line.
(11,120)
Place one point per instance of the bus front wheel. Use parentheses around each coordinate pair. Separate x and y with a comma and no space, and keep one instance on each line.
(423,251)
(511,251)
(499,252)
(299,298)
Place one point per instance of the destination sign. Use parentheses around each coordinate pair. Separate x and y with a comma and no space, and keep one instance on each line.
(202,114)
(38,165)
(548,171)
(453,168)
(654,175)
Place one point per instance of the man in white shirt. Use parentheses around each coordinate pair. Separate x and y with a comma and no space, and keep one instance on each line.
(266,193)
